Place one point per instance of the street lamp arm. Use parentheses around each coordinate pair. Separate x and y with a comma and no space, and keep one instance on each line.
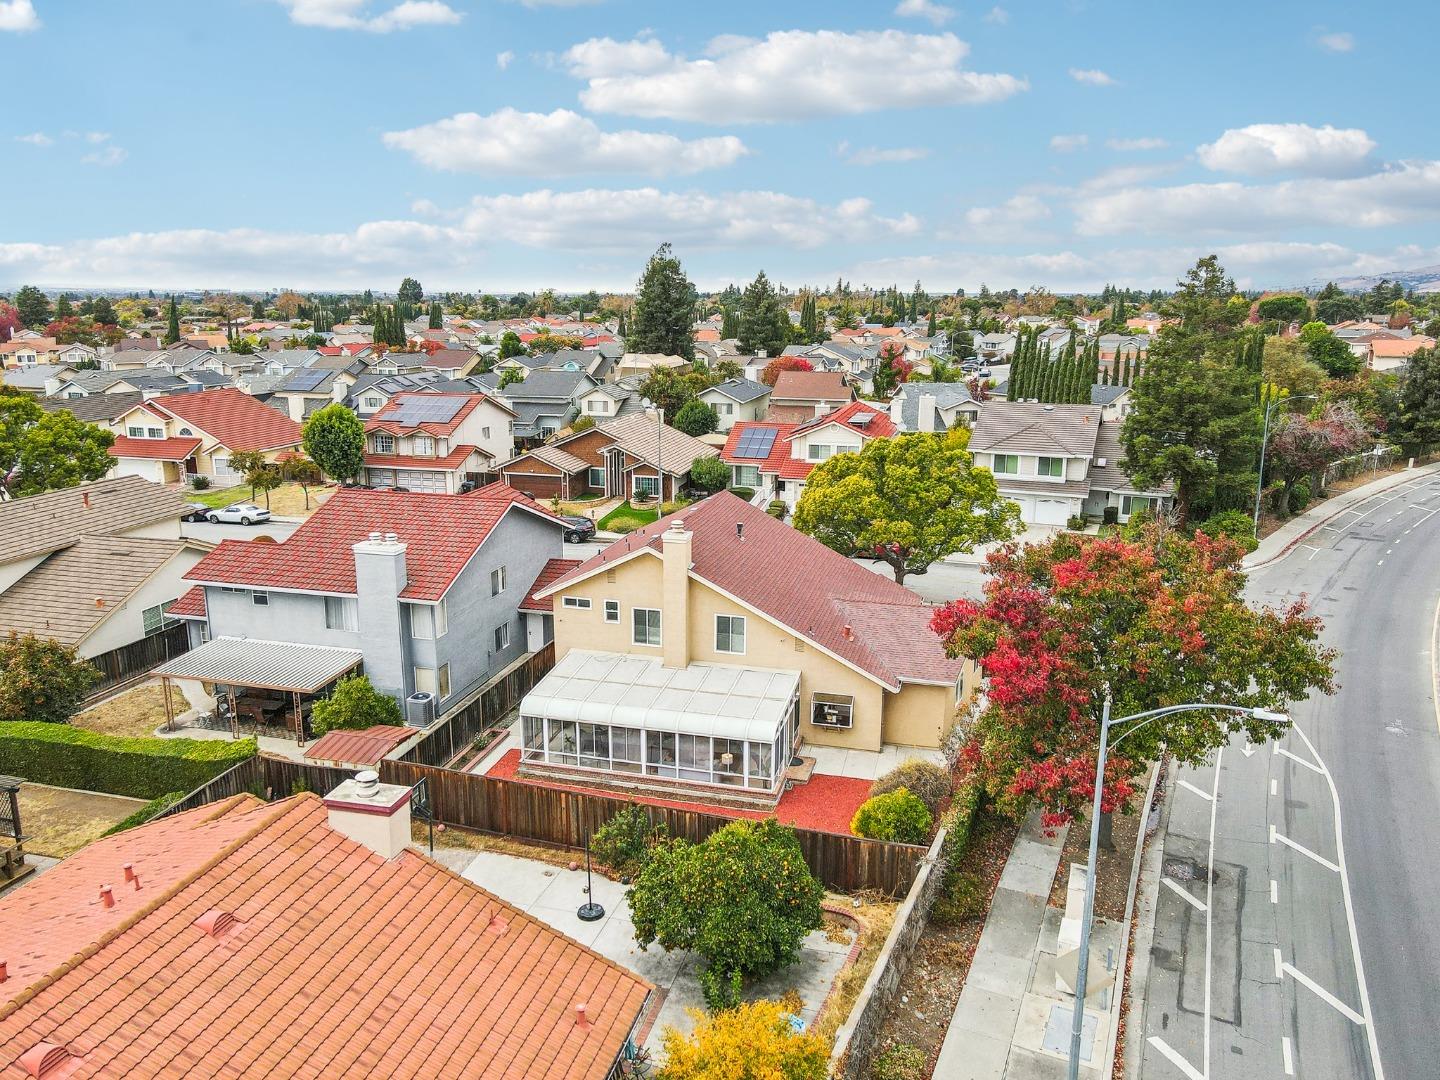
(1155,714)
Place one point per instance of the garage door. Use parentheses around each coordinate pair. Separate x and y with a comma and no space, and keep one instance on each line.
(1052,511)
(1026,505)
(382,477)
(416,480)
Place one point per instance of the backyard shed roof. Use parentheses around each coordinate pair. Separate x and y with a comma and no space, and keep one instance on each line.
(265,665)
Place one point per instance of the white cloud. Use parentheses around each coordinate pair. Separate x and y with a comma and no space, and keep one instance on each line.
(562,142)
(1142,143)
(18,16)
(1120,176)
(1065,144)
(504,59)
(1299,148)
(557,3)
(1399,194)
(938,14)
(1091,77)
(95,138)
(1337,42)
(997,16)
(110,155)
(789,75)
(881,155)
(36,138)
(356,15)
(1018,210)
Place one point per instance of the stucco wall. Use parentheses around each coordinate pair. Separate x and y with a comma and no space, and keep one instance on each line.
(127,623)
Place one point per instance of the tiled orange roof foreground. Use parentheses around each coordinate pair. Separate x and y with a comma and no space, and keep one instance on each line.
(341,964)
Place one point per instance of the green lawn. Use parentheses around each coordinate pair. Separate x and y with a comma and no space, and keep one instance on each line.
(626,518)
(218,497)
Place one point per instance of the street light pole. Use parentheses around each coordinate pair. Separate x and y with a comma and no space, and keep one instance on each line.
(1082,963)
(1264,439)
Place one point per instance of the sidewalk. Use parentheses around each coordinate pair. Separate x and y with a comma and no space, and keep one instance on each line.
(1011,1022)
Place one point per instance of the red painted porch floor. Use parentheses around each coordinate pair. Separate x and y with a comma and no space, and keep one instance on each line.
(825,803)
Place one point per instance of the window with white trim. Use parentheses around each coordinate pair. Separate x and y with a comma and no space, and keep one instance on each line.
(1133,504)
(832,710)
(595,478)
(819,451)
(747,476)
(260,598)
(581,603)
(424,445)
(612,611)
(135,431)
(645,626)
(342,613)
(384,444)
(425,680)
(502,637)
(1050,466)
(444,680)
(497,581)
(155,620)
(372,403)
(1005,464)
(730,634)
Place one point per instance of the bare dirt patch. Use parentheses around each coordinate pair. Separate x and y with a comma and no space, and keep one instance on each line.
(138,711)
(59,821)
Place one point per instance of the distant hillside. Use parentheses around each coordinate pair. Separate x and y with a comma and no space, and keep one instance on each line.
(1422,279)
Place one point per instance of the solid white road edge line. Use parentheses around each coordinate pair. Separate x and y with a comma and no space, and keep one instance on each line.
(1173,1056)
(1192,788)
(1281,838)
(1375,1064)
(1210,902)
(1274,891)
(1183,893)
(1297,758)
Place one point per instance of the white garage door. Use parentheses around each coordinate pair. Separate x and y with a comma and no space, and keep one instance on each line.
(1026,505)
(416,480)
(1052,511)
(382,477)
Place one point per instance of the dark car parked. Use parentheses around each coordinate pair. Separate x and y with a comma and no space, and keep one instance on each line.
(580,529)
(195,512)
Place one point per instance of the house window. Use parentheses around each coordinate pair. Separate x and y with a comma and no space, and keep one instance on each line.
(372,403)
(497,581)
(502,637)
(1006,464)
(154,433)
(728,408)
(1050,466)
(595,478)
(342,613)
(1133,504)
(424,445)
(425,681)
(580,602)
(645,626)
(747,476)
(427,622)
(154,618)
(832,710)
(384,444)
(819,451)
(730,633)
(485,433)
(647,486)
(612,611)
(135,431)
(260,598)
(444,680)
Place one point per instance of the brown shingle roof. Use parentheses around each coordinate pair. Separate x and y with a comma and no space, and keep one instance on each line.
(95,408)
(640,436)
(56,519)
(340,963)
(810,386)
(1020,427)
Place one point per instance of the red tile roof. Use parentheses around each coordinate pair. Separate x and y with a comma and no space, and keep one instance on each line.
(191,604)
(782,461)
(442,533)
(337,963)
(232,417)
(810,386)
(550,573)
(779,449)
(365,747)
(177,449)
(889,634)
(448,463)
(383,420)
(879,426)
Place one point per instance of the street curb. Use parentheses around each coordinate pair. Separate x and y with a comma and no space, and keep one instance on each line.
(1373,488)
(1144,931)
(1142,846)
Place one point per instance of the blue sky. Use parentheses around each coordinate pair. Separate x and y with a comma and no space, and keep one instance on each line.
(506,144)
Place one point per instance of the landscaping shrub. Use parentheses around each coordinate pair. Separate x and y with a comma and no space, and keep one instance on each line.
(930,783)
(146,812)
(199,483)
(743,492)
(41,679)
(961,896)
(1076,523)
(776,509)
(709,473)
(354,705)
(623,843)
(900,1061)
(897,815)
(1235,524)
(142,768)
(1299,496)
(961,899)
(754,1039)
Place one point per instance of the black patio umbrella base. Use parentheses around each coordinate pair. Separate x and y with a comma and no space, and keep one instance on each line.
(590,913)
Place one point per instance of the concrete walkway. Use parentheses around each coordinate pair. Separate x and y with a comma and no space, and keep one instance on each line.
(1011,1022)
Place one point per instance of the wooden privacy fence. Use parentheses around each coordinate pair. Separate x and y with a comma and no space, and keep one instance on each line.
(484,710)
(123,664)
(262,776)
(566,818)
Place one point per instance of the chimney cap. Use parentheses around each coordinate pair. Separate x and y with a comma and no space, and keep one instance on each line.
(375,537)
(391,538)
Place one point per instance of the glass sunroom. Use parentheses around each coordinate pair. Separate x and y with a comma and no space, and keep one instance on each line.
(629,716)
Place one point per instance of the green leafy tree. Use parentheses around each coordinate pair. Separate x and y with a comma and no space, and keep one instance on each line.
(764,325)
(103,311)
(249,464)
(511,345)
(1329,351)
(1283,309)
(58,451)
(334,438)
(172,329)
(664,309)
(18,413)
(510,376)
(743,900)
(299,469)
(42,680)
(353,706)
(410,293)
(1333,305)
(898,816)
(907,501)
(33,306)
(437,316)
(671,391)
(1416,421)
(1152,621)
(709,473)
(696,418)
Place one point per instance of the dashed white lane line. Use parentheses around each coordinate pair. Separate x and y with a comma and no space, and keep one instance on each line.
(1281,838)
(1198,791)
(1380,563)
(1274,787)
(1298,760)
(1274,891)
(1173,1056)
(1287,1057)
(1178,890)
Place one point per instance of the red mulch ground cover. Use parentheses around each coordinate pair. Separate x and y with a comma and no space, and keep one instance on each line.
(825,804)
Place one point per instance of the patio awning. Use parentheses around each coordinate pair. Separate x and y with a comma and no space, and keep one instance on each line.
(638,692)
(263,665)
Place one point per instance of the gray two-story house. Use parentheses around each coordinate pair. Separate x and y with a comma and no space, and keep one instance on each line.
(421,590)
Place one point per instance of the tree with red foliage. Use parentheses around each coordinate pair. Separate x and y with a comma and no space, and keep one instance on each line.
(9,321)
(1302,446)
(784,363)
(1151,622)
(430,348)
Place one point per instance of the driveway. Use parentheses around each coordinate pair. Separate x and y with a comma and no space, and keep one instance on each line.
(203,530)
(552,894)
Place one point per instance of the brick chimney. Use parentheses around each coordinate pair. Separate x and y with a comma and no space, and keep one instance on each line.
(675,595)
(380,578)
(371,813)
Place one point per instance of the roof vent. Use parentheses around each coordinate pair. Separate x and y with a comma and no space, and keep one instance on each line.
(85,498)
(107,896)
(216,923)
(1100,462)
(43,1059)
(374,537)
(391,538)
(582,1020)
(1049,408)
(4,970)
(367,784)
(740,529)
(848,631)
(498,923)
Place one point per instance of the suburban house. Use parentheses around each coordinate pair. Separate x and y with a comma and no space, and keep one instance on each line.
(39,380)
(609,400)
(643,364)
(736,401)
(799,396)
(302,937)
(931,406)
(774,459)
(693,654)
(1058,462)
(169,438)
(306,390)
(450,363)
(1114,401)
(423,589)
(436,442)
(102,409)
(617,458)
(372,391)
(544,402)
(27,350)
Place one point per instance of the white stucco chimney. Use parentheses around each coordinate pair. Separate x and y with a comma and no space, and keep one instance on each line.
(675,599)
(926,420)
(371,813)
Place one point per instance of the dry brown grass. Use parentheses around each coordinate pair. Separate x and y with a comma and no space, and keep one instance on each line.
(448,836)
(876,917)
(135,712)
(60,822)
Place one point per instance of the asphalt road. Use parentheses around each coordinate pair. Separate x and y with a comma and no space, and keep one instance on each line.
(1298,925)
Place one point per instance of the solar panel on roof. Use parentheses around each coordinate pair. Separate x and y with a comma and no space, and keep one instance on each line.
(436,410)
(306,380)
(755,443)
(861,419)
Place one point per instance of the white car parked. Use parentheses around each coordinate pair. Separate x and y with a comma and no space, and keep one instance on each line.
(242,513)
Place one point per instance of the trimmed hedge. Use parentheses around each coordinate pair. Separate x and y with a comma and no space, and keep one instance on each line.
(142,768)
(146,812)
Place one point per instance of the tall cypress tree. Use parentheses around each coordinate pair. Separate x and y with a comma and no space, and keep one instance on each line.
(172,329)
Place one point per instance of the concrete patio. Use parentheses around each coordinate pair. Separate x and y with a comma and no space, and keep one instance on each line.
(866,764)
(552,894)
